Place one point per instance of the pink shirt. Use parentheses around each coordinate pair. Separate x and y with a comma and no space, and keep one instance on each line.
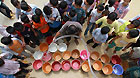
(122,11)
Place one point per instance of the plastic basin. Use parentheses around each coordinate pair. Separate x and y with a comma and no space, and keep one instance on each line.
(95,55)
(66,65)
(56,66)
(85,66)
(43,47)
(116,59)
(75,64)
(46,67)
(75,53)
(47,57)
(105,58)
(38,55)
(117,69)
(66,55)
(37,64)
(53,47)
(62,47)
(57,56)
(84,56)
(97,65)
(107,69)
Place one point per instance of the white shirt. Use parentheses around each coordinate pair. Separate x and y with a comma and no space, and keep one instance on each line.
(3,31)
(111,9)
(88,7)
(94,16)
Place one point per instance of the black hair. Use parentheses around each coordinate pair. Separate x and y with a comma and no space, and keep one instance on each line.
(112,16)
(6,40)
(136,23)
(47,10)
(100,7)
(111,2)
(133,33)
(72,13)
(65,18)
(24,5)
(78,2)
(105,30)
(54,2)
(36,18)
(106,12)
(63,5)
(38,11)
(15,2)
(90,2)
(1,62)
(18,26)
(24,18)
(72,29)
(10,29)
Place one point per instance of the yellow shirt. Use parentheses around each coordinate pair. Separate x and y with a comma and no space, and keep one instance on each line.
(111,26)
(123,40)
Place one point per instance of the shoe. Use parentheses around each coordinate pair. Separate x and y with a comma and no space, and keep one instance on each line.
(76,41)
(12,18)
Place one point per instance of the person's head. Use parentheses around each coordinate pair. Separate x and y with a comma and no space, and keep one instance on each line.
(134,24)
(133,34)
(24,6)
(126,2)
(10,30)
(24,18)
(63,5)
(15,3)
(1,62)
(105,30)
(54,3)
(72,29)
(18,26)
(36,18)
(78,3)
(111,3)
(38,12)
(72,13)
(88,2)
(6,40)
(47,10)
(105,13)
(111,17)
(100,8)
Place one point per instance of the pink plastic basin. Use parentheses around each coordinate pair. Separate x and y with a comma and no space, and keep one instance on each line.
(75,64)
(37,64)
(47,57)
(84,55)
(56,66)
(66,65)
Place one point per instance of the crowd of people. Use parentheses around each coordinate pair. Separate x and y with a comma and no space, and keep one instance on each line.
(64,17)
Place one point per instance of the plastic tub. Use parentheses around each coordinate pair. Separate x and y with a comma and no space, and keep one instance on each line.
(75,53)
(85,66)
(107,69)
(37,55)
(66,55)
(62,47)
(49,39)
(97,65)
(116,59)
(75,64)
(47,57)
(66,65)
(117,69)
(105,58)
(56,66)
(57,56)
(43,47)
(53,47)
(95,55)
(46,67)
(84,56)
(37,64)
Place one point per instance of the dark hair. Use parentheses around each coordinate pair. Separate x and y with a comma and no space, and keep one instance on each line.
(65,18)
(105,30)
(47,10)
(136,23)
(15,2)
(133,33)
(106,12)
(90,2)
(36,18)
(54,2)
(72,29)
(18,26)
(6,40)
(111,2)
(78,2)
(24,18)
(24,5)
(1,62)
(72,13)
(38,11)
(112,16)
(100,7)
(10,30)
(63,5)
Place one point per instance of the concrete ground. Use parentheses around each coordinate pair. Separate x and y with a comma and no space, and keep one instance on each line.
(134,10)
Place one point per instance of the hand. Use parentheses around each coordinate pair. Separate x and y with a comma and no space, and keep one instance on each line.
(14,59)
(124,49)
(110,42)
(52,18)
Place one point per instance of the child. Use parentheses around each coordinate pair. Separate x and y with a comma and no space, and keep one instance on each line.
(16,4)
(94,16)
(52,3)
(123,9)
(110,6)
(116,4)
(123,40)
(79,11)
(3,31)
(105,13)
(99,36)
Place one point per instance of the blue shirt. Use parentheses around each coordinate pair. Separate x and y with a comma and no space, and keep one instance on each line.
(98,36)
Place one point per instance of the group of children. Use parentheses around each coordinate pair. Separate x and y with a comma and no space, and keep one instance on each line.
(66,17)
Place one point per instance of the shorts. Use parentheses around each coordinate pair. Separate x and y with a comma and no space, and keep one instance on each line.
(113,45)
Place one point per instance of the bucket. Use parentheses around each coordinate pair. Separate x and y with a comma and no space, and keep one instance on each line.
(117,69)
(85,66)
(62,47)
(95,55)
(46,67)
(105,58)
(57,56)
(75,64)
(56,66)
(84,55)
(97,65)
(47,57)
(37,55)
(116,59)
(37,64)
(53,47)
(75,53)
(66,65)
(49,39)
(43,47)
(107,69)
(66,55)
